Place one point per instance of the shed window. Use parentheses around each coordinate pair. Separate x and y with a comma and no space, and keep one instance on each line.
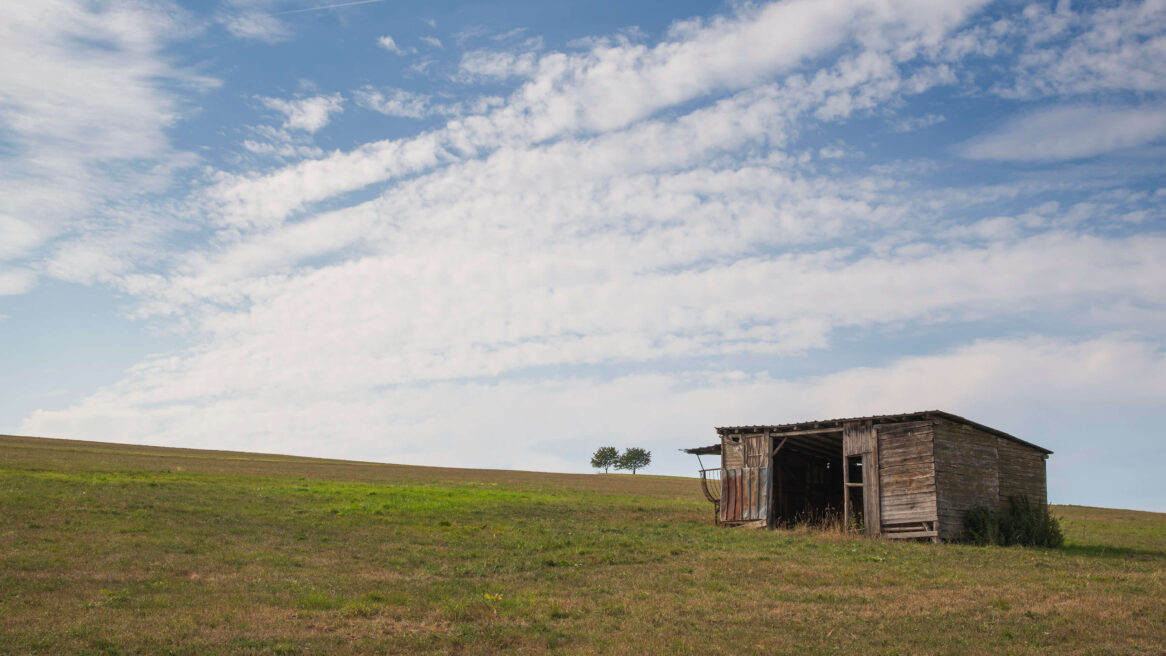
(854,467)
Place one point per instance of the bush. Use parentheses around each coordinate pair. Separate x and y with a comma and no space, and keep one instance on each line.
(1024,523)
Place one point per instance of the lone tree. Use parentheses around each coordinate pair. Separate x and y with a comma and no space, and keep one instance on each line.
(605,457)
(634,458)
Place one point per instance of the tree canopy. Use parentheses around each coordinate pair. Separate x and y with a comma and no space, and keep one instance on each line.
(604,458)
(634,458)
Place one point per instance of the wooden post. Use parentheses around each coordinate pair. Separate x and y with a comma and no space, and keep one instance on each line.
(845,492)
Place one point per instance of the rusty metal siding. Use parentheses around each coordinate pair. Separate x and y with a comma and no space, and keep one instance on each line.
(745,494)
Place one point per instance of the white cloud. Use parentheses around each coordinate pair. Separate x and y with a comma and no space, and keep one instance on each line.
(496,64)
(94,137)
(912,123)
(409,104)
(609,88)
(1063,133)
(15,281)
(1104,48)
(432,41)
(495,300)
(256,25)
(17,237)
(307,114)
(389,44)
(396,102)
(509,34)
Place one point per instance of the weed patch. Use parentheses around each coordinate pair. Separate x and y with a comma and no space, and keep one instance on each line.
(1024,523)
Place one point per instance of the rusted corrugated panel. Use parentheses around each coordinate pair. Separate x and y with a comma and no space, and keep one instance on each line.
(731,495)
(745,494)
(754,493)
(738,492)
(749,485)
(726,495)
(759,505)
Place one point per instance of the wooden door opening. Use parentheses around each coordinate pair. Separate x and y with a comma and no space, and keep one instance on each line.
(807,488)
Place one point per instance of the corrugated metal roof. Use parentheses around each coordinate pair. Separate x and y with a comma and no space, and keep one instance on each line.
(830,424)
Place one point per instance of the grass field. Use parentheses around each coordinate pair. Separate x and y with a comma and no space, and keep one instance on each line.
(108,549)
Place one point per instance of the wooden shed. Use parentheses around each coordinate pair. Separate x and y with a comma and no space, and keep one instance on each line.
(898,476)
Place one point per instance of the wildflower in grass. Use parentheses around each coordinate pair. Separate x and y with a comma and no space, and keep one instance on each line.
(493,597)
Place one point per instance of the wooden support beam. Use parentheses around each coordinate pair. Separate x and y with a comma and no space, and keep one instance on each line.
(783,441)
(845,495)
(812,431)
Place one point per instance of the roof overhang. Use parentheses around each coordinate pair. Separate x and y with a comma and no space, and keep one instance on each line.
(828,426)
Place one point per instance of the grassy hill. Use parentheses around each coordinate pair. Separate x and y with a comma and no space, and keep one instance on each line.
(111,549)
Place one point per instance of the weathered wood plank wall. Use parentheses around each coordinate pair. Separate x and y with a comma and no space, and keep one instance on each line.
(906,473)
(1022,472)
(966,473)
(732,453)
(857,438)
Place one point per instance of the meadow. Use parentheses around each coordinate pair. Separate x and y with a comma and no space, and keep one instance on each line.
(111,549)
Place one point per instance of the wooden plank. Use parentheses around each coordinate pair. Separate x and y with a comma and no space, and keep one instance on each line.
(812,431)
(922,514)
(732,453)
(909,497)
(871,498)
(909,506)
(907,469)
(904,504)
(845,494)
(893,485)
(920,487)
(857,438)
(915,534)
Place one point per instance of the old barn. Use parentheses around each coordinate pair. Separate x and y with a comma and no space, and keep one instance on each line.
(898,476)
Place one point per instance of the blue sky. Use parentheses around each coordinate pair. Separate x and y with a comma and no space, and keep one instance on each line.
(504,234)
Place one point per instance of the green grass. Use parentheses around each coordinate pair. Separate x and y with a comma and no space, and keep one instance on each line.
(108,549)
